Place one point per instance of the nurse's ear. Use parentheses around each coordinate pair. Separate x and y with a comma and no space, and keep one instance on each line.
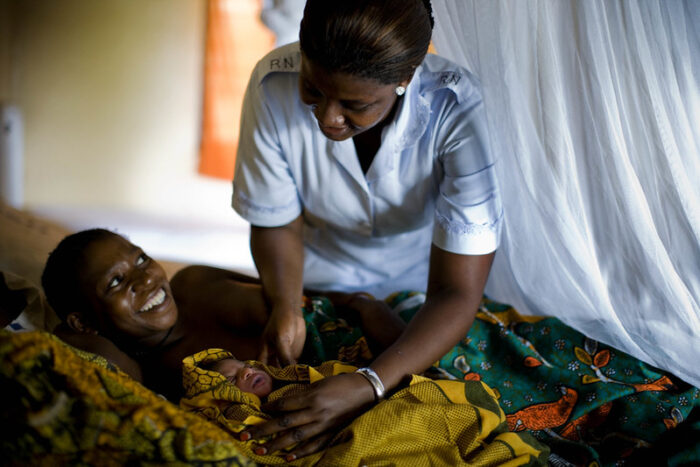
(401,87)
(77,322)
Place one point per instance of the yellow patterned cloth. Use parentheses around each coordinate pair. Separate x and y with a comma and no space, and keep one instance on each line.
(427,423)
(61,409)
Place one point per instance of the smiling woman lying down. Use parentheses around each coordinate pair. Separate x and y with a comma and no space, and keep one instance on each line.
(114,300)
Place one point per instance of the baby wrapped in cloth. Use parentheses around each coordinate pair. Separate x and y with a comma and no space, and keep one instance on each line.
(429,422)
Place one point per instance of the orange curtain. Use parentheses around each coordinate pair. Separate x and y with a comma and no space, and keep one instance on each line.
(236,40)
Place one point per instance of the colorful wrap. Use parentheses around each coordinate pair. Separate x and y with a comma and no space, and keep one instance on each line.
(592,404)
(448,422)
(61,409)
(330,337)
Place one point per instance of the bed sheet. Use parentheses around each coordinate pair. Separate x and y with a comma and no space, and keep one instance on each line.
(592,404)
(66,407)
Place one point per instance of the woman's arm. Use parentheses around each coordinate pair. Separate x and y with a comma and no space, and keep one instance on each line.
(279,256)
(455,287)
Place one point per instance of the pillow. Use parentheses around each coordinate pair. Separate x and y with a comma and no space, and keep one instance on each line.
(25,243)
(23,306)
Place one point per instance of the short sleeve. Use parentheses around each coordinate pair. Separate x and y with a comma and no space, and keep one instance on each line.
(264,191)
(469,211)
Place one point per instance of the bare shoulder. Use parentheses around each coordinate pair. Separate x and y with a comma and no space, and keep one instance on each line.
(102,346)
(201,276)
(226,297)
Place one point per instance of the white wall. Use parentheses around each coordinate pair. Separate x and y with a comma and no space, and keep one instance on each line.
(5,18)
(111,96)
(110,91)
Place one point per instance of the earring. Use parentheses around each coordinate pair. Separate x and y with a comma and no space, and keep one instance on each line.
(400,90)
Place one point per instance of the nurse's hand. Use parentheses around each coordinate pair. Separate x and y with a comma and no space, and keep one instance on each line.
(283,338)
(312,417)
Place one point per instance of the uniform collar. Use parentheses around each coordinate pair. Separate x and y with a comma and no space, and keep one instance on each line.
(404,131)
(411,117)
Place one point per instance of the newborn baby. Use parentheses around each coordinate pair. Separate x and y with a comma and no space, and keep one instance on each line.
(458,422)
(245,377)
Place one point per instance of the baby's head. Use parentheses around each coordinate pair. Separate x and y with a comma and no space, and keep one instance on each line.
(245,377)
(99,282)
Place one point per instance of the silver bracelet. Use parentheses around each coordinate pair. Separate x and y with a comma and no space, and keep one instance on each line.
(374,380)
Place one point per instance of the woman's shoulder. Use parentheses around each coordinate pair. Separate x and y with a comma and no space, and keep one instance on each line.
(196,275)
(437,74)
(102,346)
(285,59)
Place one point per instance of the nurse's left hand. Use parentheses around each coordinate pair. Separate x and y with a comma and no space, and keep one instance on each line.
(311,418)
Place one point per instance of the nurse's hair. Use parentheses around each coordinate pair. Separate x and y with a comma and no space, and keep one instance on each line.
(384,40)
(61,278)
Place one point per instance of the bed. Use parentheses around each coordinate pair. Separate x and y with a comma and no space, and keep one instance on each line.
(589,403)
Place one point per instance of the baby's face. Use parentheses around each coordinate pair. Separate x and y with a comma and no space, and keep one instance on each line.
(245,377)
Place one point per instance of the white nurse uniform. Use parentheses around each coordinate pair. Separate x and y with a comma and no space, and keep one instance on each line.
(432,180)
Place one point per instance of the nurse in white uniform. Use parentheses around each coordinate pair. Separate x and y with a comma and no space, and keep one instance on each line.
(363,165)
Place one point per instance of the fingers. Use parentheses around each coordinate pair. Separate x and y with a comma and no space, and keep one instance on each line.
(291,427)
(310,447)
(264,354)
(286,347)
(285,355)
(290,406)
(293,436)
(321,409)
(303,449)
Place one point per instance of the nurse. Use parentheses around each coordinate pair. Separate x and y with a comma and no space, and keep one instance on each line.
(363,165)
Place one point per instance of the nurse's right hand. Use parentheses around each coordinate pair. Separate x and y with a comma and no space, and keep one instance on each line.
(283,338)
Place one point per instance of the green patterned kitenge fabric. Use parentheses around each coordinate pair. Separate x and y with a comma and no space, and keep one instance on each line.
(592,404)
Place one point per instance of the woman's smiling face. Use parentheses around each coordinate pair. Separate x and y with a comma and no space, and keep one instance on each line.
(345,105)
(127,289)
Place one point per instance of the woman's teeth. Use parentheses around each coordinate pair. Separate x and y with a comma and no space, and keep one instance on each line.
(156,300)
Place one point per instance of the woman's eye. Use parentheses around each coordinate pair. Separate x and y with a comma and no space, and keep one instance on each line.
(143,257)
(115,282)
(358,108)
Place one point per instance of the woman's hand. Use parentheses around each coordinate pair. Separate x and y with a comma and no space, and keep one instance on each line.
(283,338)
(279,256)
(312,417)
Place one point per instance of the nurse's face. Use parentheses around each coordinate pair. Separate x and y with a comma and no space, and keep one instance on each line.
(345,105)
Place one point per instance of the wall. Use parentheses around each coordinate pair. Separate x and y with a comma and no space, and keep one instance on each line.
(5,17)
(111,94)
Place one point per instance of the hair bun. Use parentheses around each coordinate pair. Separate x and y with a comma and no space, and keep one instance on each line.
(429,8)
